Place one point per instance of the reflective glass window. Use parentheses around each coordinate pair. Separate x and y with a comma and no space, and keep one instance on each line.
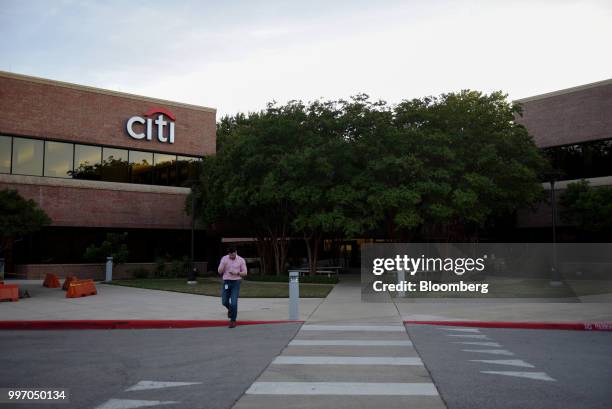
(28,156)
(583,160)
(141,167)
(87,161)
(5,154)
(188,169)
(115,166)
(165,169)
(58,159)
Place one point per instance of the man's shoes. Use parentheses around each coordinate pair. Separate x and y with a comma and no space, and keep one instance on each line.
(229,312)
(232,324)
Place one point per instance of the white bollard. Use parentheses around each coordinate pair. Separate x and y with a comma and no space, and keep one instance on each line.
(109,269)
(401,276)
(294,295)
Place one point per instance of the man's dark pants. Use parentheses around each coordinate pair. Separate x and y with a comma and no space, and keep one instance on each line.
(229,296)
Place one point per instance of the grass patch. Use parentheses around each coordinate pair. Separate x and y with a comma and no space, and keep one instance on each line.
(268,278)
(212,287)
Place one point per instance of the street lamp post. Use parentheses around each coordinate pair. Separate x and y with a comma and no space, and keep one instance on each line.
(555,277)
(191,279)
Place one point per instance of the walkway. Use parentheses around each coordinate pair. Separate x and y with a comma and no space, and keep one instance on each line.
(346,349)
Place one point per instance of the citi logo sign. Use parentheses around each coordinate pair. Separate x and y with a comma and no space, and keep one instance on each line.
(154,117)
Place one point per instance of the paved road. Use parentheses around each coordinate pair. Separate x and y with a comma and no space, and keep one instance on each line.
(98,366)
(534,368)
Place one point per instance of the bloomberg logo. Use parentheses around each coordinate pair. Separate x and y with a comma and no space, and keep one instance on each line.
(147,125)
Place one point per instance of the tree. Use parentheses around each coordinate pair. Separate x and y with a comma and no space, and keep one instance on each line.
(471,163)
(113,246)
(432,167)
(590,208)
(319,169)
(18,217)
(243,184)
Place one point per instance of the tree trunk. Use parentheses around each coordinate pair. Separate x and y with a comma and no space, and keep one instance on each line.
(266,256)
(308,253)
(312,247)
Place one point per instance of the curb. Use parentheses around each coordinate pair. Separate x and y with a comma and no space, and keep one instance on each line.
(575,326)
(125,324)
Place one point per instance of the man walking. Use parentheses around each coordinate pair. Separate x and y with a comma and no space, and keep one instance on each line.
(233,268)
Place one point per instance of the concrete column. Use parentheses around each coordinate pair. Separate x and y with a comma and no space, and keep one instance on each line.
(109,269)
(294,295)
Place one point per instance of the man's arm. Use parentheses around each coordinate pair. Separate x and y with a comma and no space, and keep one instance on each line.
(243,268)
(221,268)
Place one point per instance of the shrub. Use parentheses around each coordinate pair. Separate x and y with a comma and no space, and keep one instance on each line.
(160,267)
(139,273)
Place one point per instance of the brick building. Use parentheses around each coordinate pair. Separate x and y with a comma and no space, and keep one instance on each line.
(574,128)
(100,161)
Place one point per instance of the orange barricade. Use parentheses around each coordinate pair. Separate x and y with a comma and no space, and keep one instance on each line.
(81,288)
(67,282)
(9,292)
(51,281)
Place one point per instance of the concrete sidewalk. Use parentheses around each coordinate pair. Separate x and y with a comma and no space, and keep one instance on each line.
(115,302)
(343,304)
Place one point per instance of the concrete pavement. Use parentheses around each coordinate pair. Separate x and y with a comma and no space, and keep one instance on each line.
(510,368)
(127,303)
(506,311)
(343,304)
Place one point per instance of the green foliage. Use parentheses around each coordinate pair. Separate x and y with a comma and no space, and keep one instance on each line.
(139,273)
(179,267)
(472,163)
(445,166)
(160,267)
(317,279)
(113,246)
(590,208)
(18,216)
(166,267)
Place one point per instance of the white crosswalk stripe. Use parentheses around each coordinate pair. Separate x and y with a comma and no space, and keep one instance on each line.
(489,351)
(511,362)
(349,342)
(132,403)
(482,344)
(146,385)
(342,388)
(335,362)
(372,328)
(540,376)
(345,360)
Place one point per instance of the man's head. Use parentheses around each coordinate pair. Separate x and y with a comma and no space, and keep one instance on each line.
(231,252)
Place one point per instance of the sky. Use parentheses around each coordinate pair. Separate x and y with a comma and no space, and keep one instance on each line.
(236,56)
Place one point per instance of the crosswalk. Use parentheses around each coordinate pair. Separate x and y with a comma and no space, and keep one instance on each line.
(341,365)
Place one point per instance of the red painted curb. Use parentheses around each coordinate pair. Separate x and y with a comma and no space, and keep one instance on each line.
(125,324)
(576,326)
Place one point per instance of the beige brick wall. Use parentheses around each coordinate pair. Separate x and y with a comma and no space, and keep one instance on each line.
(69,112)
